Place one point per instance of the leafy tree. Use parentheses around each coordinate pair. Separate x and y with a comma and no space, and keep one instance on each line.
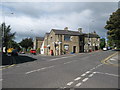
(26,43)
(7,35)
(102,43)
(113,27)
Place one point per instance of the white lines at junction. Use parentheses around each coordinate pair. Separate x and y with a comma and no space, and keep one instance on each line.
(39,69)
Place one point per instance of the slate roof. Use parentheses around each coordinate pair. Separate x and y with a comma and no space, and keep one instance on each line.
(39,38)
(75,33)
(91,35)
(66,32)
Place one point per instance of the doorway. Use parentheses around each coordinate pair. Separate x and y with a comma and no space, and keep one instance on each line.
(74,49)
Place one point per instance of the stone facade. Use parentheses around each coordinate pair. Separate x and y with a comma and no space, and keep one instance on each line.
(37,43)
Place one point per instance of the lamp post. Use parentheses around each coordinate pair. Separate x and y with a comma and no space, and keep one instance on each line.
(3,27)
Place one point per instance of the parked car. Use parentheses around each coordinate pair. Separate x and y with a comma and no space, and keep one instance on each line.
(33,51)
(14,52)
(104,49)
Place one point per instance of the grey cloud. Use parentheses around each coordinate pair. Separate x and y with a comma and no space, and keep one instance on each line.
(41,17)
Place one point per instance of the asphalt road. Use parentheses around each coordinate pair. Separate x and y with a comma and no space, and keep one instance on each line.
(84,70)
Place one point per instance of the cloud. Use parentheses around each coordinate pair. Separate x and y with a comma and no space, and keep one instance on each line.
(35,19)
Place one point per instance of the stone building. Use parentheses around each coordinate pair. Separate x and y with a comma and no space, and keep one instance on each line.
(37,43)
(91,42)
(66,41)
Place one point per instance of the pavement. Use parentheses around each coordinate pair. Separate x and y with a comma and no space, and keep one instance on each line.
(84,70)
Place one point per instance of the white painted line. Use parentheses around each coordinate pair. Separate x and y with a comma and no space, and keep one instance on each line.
(113,59)
(70,83)
(88,72)
(94,72)
(91,75)
(83,74)
(85,79)
(77,85)
(68,62)
(92,69)
(108,74)
(78,78)
(38,69)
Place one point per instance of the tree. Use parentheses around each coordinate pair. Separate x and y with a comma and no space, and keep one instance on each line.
(14,45)
(102,43)
(7,35)
(26,43)
(113,27)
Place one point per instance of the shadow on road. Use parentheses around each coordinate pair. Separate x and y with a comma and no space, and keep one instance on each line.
(9,60)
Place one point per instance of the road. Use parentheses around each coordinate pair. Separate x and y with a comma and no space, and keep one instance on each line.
(84,70)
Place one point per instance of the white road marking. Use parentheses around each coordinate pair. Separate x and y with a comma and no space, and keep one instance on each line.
(78,78)
(88,72)
(113,59)
(60,58)
(68,62)
(92,69)
(91,75)
(77,85)
(94,72)
(83,74)
(108,74)
(38,69)
(70,83)
(85,79)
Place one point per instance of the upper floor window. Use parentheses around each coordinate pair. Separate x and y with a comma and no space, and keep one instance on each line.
(66,37)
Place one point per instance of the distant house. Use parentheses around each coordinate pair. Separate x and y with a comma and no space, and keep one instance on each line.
(37,43)
(68,41)
(91,42)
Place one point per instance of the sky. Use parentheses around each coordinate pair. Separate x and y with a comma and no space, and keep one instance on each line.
(31,19)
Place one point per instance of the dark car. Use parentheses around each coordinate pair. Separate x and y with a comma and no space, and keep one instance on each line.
(14,52)
(33,51)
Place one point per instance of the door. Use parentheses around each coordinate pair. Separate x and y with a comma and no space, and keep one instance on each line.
(74,49)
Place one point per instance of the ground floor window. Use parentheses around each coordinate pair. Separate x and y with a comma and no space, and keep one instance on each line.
(66,49)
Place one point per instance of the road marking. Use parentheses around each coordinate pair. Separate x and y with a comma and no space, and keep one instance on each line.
(108,74)
(70,83)
(88,72)
(77,85)
(8,66)
(92,69)
(85,79)
(68,62)
(83,74)
(38,69)
(106,59)
(91,75)
(1,79)
(78,78)
(94,72)
(112,59)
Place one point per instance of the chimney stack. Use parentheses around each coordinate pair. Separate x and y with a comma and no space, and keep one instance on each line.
(66,28)
(80,30)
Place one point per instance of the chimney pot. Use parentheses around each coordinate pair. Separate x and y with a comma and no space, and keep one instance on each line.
(66,28)
(80,30)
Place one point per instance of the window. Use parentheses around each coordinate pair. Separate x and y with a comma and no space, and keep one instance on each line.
(67,38)
(66,47)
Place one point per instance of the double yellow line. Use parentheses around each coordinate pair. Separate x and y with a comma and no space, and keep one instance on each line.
(8,66)
(106,59)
